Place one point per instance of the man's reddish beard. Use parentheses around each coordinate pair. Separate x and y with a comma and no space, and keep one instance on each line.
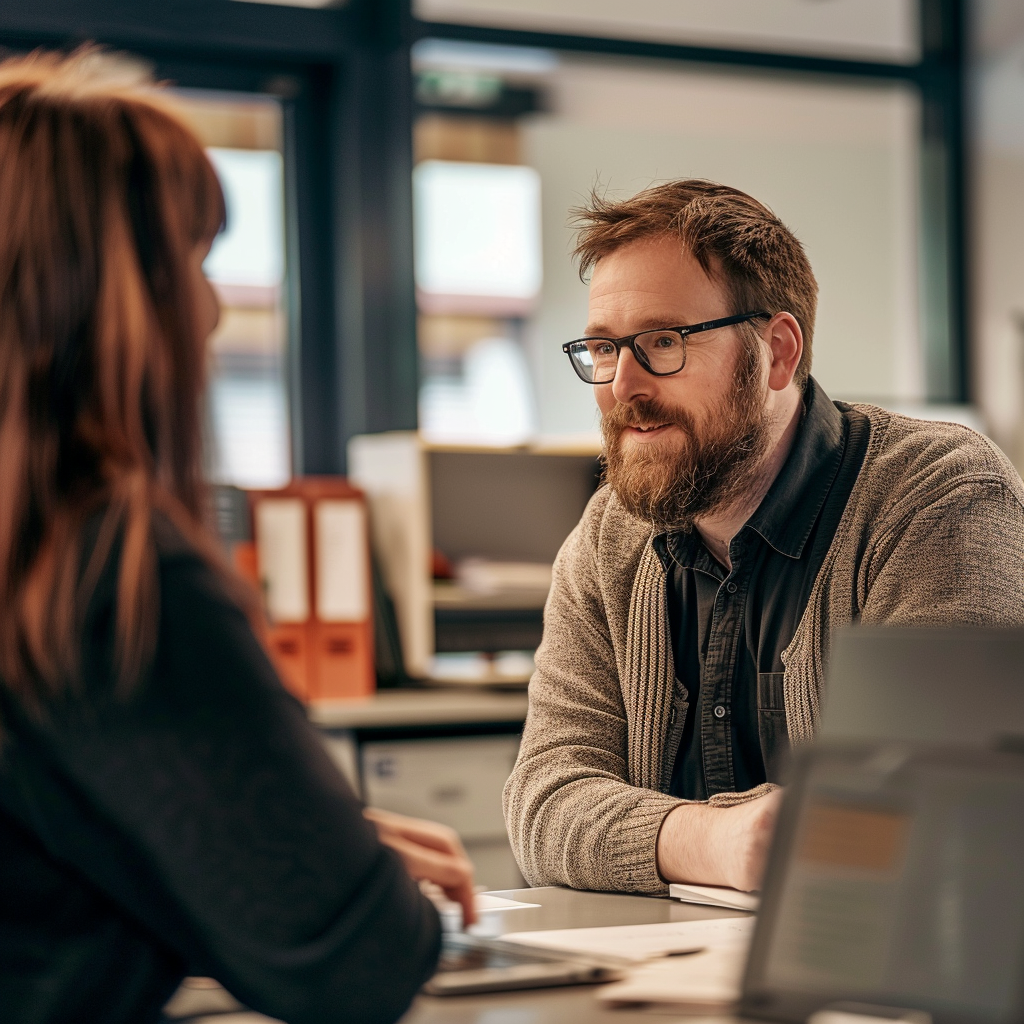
(710,469)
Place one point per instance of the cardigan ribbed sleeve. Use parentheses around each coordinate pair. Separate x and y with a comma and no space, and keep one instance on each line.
(576,814)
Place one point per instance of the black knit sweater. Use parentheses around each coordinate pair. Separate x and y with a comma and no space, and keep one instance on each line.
(193,827)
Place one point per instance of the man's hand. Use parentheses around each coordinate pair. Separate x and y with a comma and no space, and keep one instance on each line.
(429,851)
(718,845)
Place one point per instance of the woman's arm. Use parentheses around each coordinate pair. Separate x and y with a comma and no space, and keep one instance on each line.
(218,822)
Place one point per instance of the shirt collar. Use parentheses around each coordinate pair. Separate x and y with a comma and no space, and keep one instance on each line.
(788,512)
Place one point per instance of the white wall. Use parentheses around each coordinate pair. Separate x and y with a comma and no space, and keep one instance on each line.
(838,164)
(998,221)
(873,29)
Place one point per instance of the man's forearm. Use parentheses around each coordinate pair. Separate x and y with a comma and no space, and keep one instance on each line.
(717,845)
(684,848)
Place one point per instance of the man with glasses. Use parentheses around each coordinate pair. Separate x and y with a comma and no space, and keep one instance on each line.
(745,517)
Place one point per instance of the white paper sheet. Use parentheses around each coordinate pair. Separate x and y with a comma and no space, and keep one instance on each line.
(485,902)
(641,942)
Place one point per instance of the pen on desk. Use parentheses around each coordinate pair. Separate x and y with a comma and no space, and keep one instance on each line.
(681,952)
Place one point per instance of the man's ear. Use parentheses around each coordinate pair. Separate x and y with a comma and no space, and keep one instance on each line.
(785,343)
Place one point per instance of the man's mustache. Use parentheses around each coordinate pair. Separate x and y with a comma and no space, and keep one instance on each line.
(644,414)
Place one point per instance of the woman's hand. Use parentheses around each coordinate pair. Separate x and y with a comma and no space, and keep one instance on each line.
(429,851)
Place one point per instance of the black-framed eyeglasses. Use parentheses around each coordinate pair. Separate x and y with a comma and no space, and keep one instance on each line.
(661,352)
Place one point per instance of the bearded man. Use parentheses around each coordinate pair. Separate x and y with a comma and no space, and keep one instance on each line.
(745,516)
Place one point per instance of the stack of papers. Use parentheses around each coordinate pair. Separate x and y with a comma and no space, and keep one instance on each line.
(482,576)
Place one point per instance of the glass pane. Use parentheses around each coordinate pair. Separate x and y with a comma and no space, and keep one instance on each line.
(998,179)
(884,30)
(247,405)
(838,161)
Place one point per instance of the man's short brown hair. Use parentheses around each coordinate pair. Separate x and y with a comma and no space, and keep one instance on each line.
(731,235)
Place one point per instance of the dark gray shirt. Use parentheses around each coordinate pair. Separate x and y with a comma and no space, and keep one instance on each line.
(729,629)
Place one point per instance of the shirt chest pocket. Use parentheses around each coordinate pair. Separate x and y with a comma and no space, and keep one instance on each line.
(771,721)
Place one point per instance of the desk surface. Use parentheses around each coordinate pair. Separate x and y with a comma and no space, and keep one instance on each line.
(559,908)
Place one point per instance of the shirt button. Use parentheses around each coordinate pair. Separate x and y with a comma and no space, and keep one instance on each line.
(731,587)
(719,711)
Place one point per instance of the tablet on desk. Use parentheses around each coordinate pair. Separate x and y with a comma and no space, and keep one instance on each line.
(470,964)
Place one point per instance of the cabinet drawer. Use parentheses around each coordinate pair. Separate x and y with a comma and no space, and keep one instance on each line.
(455,781)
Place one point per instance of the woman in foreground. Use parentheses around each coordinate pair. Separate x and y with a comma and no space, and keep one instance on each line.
(165,808)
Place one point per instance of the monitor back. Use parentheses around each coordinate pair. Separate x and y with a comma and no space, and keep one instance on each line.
(960,685)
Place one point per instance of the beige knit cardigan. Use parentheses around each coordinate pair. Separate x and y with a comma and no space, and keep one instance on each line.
(933,533)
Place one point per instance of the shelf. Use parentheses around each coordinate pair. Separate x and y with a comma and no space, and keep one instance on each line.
(588,446)
(451,596)
(392,708)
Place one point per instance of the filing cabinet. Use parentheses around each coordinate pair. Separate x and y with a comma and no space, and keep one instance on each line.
(456,781)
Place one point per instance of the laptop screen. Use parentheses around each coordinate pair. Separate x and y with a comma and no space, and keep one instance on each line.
(895,880)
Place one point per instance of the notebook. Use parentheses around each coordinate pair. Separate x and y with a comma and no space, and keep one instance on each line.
(714,896)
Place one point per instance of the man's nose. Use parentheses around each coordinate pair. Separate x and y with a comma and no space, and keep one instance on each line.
(631,380)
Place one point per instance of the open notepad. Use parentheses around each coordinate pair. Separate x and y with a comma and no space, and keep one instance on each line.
(692,966)
(639,942)
(714,896)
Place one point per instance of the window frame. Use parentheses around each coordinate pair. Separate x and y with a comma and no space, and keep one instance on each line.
(343,75)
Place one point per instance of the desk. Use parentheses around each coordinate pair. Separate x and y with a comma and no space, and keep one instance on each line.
(559,908)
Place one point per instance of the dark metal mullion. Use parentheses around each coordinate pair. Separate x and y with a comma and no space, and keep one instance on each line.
(309,187)
(212,28)
(610,46)
(377,376)
(944,268)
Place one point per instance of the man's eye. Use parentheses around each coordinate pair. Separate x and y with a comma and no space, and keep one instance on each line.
(666,341)
(605,348)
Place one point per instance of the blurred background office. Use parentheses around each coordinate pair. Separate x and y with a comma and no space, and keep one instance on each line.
(396,280)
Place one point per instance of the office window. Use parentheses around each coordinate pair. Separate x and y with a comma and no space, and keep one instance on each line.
(477,231)
(998,209)
(885,30)
(478,261)
(837,160)
(247,408)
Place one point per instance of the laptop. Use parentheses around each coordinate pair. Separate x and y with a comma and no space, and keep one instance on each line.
(895,879)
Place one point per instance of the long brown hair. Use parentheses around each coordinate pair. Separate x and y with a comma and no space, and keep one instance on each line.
(105,196)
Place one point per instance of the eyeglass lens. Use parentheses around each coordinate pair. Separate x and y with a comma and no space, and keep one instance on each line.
(664,352)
